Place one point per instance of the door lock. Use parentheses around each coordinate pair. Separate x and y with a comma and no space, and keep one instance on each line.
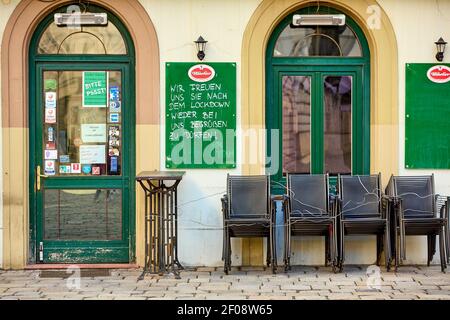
(39,175)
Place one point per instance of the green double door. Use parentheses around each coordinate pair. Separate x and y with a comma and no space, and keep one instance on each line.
(322,117)
(81,164)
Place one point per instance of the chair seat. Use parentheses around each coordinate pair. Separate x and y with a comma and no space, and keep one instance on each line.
(428,221)
(245,220)
(364,226)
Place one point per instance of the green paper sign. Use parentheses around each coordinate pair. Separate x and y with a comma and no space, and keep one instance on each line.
(200,115)
(95,89)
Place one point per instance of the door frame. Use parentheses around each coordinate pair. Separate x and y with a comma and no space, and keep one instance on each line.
(67,62)
(328,65)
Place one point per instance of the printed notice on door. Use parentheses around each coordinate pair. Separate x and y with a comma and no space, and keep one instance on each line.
(200,115)
(93,133)
(93,154)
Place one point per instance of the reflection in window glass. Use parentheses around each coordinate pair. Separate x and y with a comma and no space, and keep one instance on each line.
(337,101)
(317,41)
(296,124)
(82,40)
(83,214)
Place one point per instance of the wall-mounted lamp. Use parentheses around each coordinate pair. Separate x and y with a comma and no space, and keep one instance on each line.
(440,46)
(200,43)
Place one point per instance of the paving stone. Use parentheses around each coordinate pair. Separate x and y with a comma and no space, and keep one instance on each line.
(253,283)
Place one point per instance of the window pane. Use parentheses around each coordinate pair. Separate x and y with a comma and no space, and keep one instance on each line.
(83,214)
(82,40)
(317,41)
(338,124)
(296,124)
(82,128)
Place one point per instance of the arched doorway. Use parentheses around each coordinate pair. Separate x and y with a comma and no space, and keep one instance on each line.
(318,97)
(82,141)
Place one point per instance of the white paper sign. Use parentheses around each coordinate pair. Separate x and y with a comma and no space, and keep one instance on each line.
(92,154)
(93,133)
(50,100)
(51,154)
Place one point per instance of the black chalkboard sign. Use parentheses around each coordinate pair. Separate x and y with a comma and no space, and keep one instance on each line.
(200,115)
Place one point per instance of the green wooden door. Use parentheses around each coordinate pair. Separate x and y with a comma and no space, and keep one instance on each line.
(82,147)
(317,100)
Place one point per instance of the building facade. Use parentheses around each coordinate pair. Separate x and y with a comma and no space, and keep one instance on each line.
(339,98)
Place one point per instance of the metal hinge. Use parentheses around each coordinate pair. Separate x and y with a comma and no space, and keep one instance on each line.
(41,252)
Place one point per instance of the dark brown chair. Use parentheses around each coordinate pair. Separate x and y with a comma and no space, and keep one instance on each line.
(248,212)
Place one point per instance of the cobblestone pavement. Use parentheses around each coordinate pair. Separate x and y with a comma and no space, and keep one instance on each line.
(242,283)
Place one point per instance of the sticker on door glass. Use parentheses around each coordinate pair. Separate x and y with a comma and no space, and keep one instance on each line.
(49,167)
(75,167)
(96,170)
(50,134)
(114,106)
(114,99)
(64,158)
(86,168)
(114,118)
(95,93)
(50,100)
(50,115)
(50,84)
(51,154)
(64,169)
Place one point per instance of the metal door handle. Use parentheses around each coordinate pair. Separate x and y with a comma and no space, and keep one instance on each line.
(39,175)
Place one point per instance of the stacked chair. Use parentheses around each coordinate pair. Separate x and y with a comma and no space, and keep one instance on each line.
(248,211)
(362,209)
(409,207)
(307,212)
(419,211)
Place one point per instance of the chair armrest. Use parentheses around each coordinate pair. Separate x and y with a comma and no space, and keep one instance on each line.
(386,202)
(224,201)
(441,203)
(337,209)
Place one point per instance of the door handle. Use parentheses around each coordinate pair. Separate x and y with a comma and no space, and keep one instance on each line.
(39,175)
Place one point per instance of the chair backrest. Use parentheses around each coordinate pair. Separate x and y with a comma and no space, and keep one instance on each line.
(308,194)
(360,196)
(417,194)
(248,196)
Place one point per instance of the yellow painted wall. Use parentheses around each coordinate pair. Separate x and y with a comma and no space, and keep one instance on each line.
(6,8)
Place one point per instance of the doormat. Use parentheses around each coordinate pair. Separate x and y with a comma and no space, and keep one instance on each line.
(84,273)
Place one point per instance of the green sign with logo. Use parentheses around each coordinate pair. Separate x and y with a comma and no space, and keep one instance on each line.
(427,116)
(95,89)
(200,115)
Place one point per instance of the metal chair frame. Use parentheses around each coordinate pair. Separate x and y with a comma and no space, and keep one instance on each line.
(374,223)
(248,225)
(311,224)
(430,224)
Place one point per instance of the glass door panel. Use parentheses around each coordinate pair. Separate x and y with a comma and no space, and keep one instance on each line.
(296,91)
(337,134)
(82,123)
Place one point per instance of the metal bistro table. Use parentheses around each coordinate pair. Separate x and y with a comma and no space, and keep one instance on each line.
(161,225)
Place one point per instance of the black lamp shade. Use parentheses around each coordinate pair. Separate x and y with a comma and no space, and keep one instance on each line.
(200,43)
